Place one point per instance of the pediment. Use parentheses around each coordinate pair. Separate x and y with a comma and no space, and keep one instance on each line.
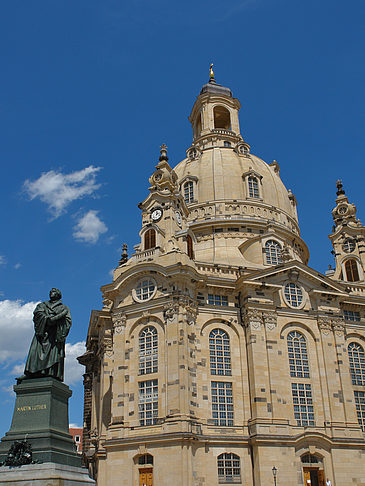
(297,272)
(252,172)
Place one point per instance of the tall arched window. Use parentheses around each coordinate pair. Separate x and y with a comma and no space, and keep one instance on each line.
(298,355)
(229,469)
(357,363)
(222,118)
(189,246)
(253,187)
(220,353)
(189,192)
(148,350)
(149,239)
(352,272)
(273,252)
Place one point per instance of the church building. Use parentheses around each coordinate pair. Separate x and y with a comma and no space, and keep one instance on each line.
(220,356)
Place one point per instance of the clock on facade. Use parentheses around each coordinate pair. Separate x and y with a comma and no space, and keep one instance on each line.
(342,210)
(156,215)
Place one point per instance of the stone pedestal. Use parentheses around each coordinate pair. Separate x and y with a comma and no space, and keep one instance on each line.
(41,417)
(46,474)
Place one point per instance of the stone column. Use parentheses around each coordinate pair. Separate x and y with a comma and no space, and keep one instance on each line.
(258,368)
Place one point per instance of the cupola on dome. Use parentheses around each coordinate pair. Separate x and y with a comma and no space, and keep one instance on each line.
(223,183)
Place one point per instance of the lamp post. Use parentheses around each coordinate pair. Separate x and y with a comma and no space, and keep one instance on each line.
(274,473)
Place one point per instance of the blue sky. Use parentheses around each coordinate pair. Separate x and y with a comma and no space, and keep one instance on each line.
(89,92)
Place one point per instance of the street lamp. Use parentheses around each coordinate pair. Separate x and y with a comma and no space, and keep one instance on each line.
(274,473)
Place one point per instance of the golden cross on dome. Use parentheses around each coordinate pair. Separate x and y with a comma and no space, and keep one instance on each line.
(211,72)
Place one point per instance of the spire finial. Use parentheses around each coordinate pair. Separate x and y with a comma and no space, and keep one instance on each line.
(124,255)
(211,74)
(340,189)
(163,153)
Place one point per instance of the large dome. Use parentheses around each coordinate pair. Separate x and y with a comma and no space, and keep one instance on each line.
(221,176)
(232,195)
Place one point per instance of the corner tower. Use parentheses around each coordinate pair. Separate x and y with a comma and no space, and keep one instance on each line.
(348,241)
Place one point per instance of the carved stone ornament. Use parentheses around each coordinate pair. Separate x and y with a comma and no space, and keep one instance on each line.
(94,437)
(270,320)
(324,325)
(191,309)
(119,322)
(107,303)
(108,343)
(170,310)
(253,318)
(338,326)
(328,324)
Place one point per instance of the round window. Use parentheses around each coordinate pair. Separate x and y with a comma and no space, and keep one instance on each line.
(349,246)
(145,290)
(293,295)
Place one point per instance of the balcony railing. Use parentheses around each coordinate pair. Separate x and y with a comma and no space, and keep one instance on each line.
(223,131)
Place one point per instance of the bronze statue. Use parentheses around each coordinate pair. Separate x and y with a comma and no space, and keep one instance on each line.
(52,322)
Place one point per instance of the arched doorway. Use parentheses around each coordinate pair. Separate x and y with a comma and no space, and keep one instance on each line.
(313,473)
(145,469)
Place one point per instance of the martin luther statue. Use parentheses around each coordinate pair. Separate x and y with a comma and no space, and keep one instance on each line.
(52,322)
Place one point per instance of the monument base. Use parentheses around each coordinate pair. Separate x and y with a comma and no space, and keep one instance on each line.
(41,418)
(47,474)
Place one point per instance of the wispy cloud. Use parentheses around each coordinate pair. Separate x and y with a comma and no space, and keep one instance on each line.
(16,329)
(89,228)
(17,266)
(73,369)
(58,190)
(2,260)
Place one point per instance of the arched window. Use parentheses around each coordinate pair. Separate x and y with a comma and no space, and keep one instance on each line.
(229,470)
(273,252)
(198,126)
(189,192)
(148,350)
(253,187)
(190,248)
(150,239)
(145,459)
(357,363)
(220,353)
(352,272)
(310,459)
(222,118)
(298,355)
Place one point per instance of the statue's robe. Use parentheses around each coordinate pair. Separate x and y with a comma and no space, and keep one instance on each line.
(47,350)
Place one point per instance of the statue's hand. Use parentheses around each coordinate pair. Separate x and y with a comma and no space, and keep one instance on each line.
(58,316)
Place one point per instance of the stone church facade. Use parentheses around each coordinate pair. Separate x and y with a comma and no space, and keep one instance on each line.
(219,354)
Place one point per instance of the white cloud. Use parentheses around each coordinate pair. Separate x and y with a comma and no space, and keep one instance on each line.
(2,260)
(89,228)
(75,426)
(16,329)
(18,369)
(73,369)
(17,266)
(58,190)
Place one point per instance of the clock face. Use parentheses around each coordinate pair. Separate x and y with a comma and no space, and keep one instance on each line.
(342,210)
(156,214)
(178,218)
